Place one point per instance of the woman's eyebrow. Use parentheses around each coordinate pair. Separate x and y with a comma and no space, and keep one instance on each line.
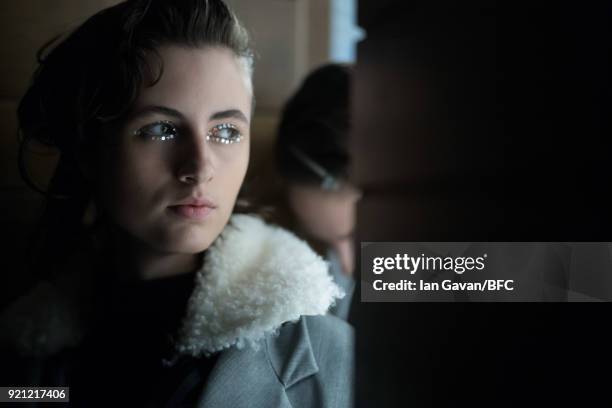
(230,113)
(226,114)
(158,109)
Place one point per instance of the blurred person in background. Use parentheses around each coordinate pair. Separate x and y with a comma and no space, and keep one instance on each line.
(313,160)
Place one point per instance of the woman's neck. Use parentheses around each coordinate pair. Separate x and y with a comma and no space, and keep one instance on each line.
(134,260)
(346,254)
(155,265)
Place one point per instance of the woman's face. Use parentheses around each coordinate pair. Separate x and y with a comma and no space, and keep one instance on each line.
(170,175)
(325,215)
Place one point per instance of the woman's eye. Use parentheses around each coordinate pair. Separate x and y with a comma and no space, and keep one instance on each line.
(162,130)
(225,133)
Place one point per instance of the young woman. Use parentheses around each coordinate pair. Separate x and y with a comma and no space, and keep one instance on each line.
(155,291)
(313,159)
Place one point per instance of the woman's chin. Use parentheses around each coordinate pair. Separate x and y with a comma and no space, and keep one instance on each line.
(188,246)
(190,239)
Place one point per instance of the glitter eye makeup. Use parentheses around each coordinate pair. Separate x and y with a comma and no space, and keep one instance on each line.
(225,133)
(162,130)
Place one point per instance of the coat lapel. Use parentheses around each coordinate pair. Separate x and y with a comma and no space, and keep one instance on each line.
(251,377)
(291,353)
(243,378)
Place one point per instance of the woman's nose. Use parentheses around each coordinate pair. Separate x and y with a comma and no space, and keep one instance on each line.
(195,163)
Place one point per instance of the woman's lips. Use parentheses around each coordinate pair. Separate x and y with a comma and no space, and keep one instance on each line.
(195,212)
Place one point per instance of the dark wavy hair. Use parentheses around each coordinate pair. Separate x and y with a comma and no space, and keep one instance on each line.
(315,124)
(90,78)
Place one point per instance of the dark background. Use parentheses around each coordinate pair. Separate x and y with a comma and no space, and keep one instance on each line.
(483,121)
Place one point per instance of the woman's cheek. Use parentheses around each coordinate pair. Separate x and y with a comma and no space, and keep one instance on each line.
(129,183)
(232,170)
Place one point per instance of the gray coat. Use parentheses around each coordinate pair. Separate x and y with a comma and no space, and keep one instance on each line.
(265,313)
(306,365)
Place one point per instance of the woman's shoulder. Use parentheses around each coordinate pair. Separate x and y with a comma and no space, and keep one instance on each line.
(48,316)
(326,336)
(326,327)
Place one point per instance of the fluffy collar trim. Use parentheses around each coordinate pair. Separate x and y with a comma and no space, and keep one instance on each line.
(254,278)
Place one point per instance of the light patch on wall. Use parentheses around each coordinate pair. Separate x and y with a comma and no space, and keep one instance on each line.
(345,33)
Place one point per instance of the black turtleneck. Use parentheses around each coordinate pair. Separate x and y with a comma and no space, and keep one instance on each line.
(127,354)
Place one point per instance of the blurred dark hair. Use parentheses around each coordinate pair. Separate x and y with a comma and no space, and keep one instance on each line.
(91,79)
(315,124)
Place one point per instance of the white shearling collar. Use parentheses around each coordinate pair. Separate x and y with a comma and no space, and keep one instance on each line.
(254,278)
